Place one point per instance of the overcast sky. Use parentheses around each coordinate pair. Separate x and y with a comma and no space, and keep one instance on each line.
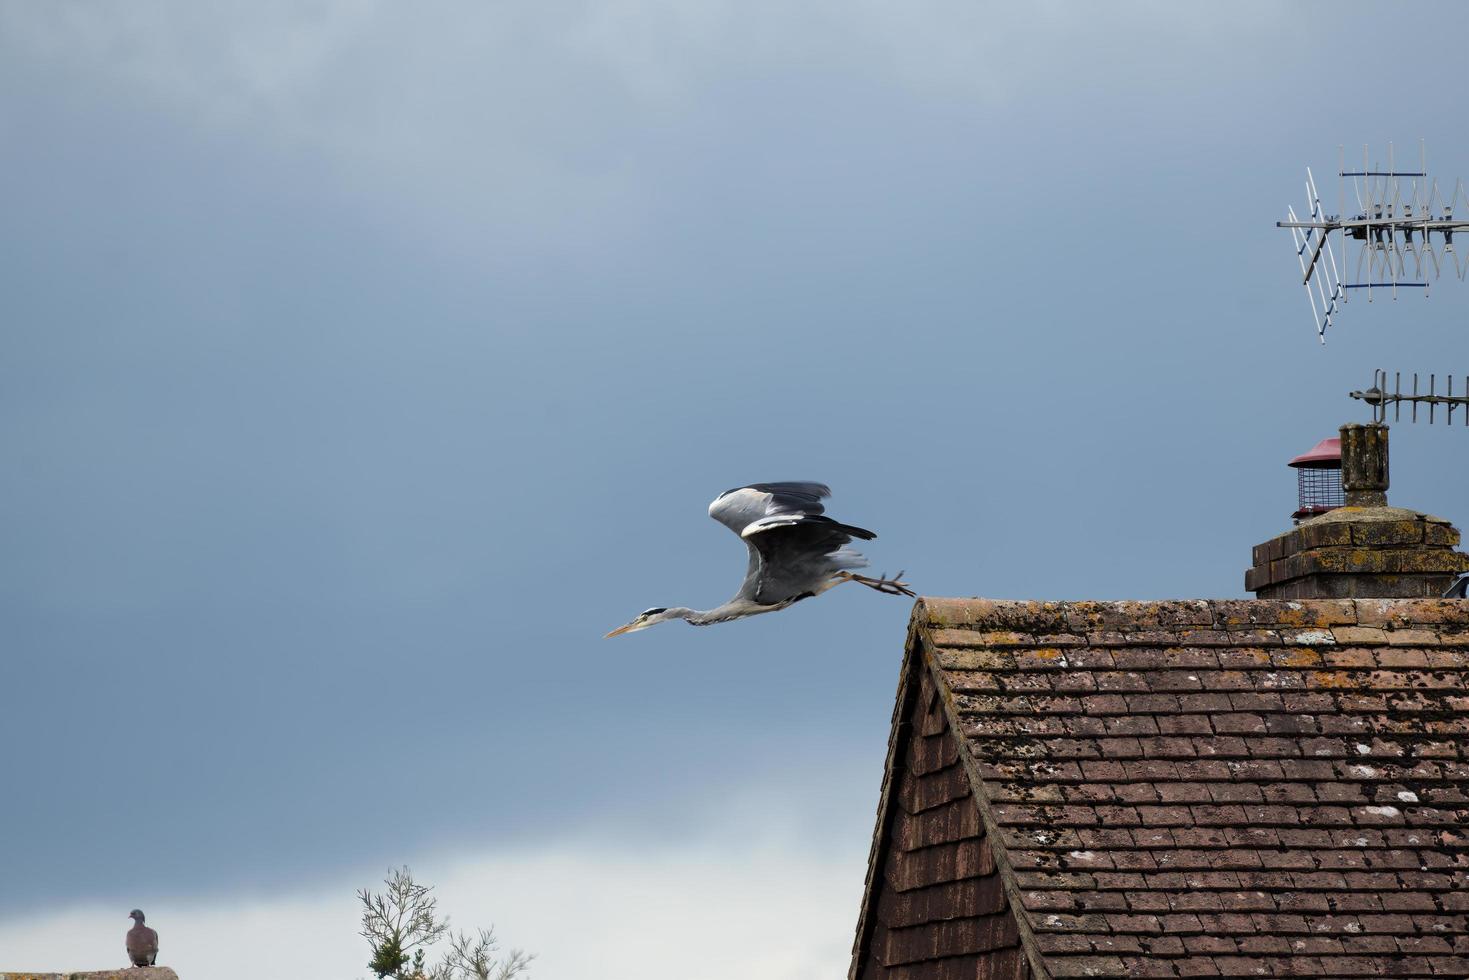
(361,364)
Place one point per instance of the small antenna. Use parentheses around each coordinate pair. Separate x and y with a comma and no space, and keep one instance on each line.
(1387,225)
(1380,398)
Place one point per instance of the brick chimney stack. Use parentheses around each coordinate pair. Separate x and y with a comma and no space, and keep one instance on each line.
(1365,549)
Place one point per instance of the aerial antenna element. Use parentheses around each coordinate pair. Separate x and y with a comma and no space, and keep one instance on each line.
(1379,397)
(1399,214)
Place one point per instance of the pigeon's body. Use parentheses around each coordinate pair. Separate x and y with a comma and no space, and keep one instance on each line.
(142,942)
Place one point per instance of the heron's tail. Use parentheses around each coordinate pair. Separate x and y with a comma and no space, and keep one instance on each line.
(844,559)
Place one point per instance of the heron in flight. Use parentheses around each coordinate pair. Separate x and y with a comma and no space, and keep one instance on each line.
(795,553)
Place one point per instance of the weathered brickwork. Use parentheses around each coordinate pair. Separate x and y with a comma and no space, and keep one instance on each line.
(1359,552)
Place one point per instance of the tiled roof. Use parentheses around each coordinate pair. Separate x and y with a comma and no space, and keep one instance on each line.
(1218,788)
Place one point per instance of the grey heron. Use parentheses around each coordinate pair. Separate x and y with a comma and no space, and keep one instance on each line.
(795,553)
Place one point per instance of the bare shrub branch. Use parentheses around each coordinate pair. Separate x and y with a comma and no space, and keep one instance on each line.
(472,958)
(402,923)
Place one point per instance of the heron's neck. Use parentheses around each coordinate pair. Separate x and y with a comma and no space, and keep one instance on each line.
(736,609)
(694,617)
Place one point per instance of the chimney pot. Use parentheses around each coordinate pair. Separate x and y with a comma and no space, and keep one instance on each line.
(1364,464)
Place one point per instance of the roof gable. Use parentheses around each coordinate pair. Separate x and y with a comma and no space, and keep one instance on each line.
(935,906)
(1222,788)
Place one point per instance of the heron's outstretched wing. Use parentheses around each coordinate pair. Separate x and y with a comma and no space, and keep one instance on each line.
(794,550)
(777,503)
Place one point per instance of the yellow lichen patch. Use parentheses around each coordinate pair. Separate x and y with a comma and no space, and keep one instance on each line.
(1337,679)
(1046,653)
(1296,614)
(1299,658)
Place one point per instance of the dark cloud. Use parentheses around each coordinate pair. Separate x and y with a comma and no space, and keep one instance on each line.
(359,372)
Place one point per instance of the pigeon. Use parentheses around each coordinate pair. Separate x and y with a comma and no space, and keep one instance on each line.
(142,941)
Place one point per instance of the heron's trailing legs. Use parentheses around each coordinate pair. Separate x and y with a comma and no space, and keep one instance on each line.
(885,585)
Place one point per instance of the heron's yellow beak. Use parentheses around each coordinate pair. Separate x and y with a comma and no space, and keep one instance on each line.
(622,629)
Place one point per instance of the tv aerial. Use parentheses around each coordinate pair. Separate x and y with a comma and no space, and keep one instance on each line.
(1392,220)
(1379,397)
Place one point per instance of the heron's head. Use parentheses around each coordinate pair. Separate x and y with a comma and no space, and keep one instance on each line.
(646,618)
(136,914)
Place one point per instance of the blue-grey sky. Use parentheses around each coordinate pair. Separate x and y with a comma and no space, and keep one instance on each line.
(361,364)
